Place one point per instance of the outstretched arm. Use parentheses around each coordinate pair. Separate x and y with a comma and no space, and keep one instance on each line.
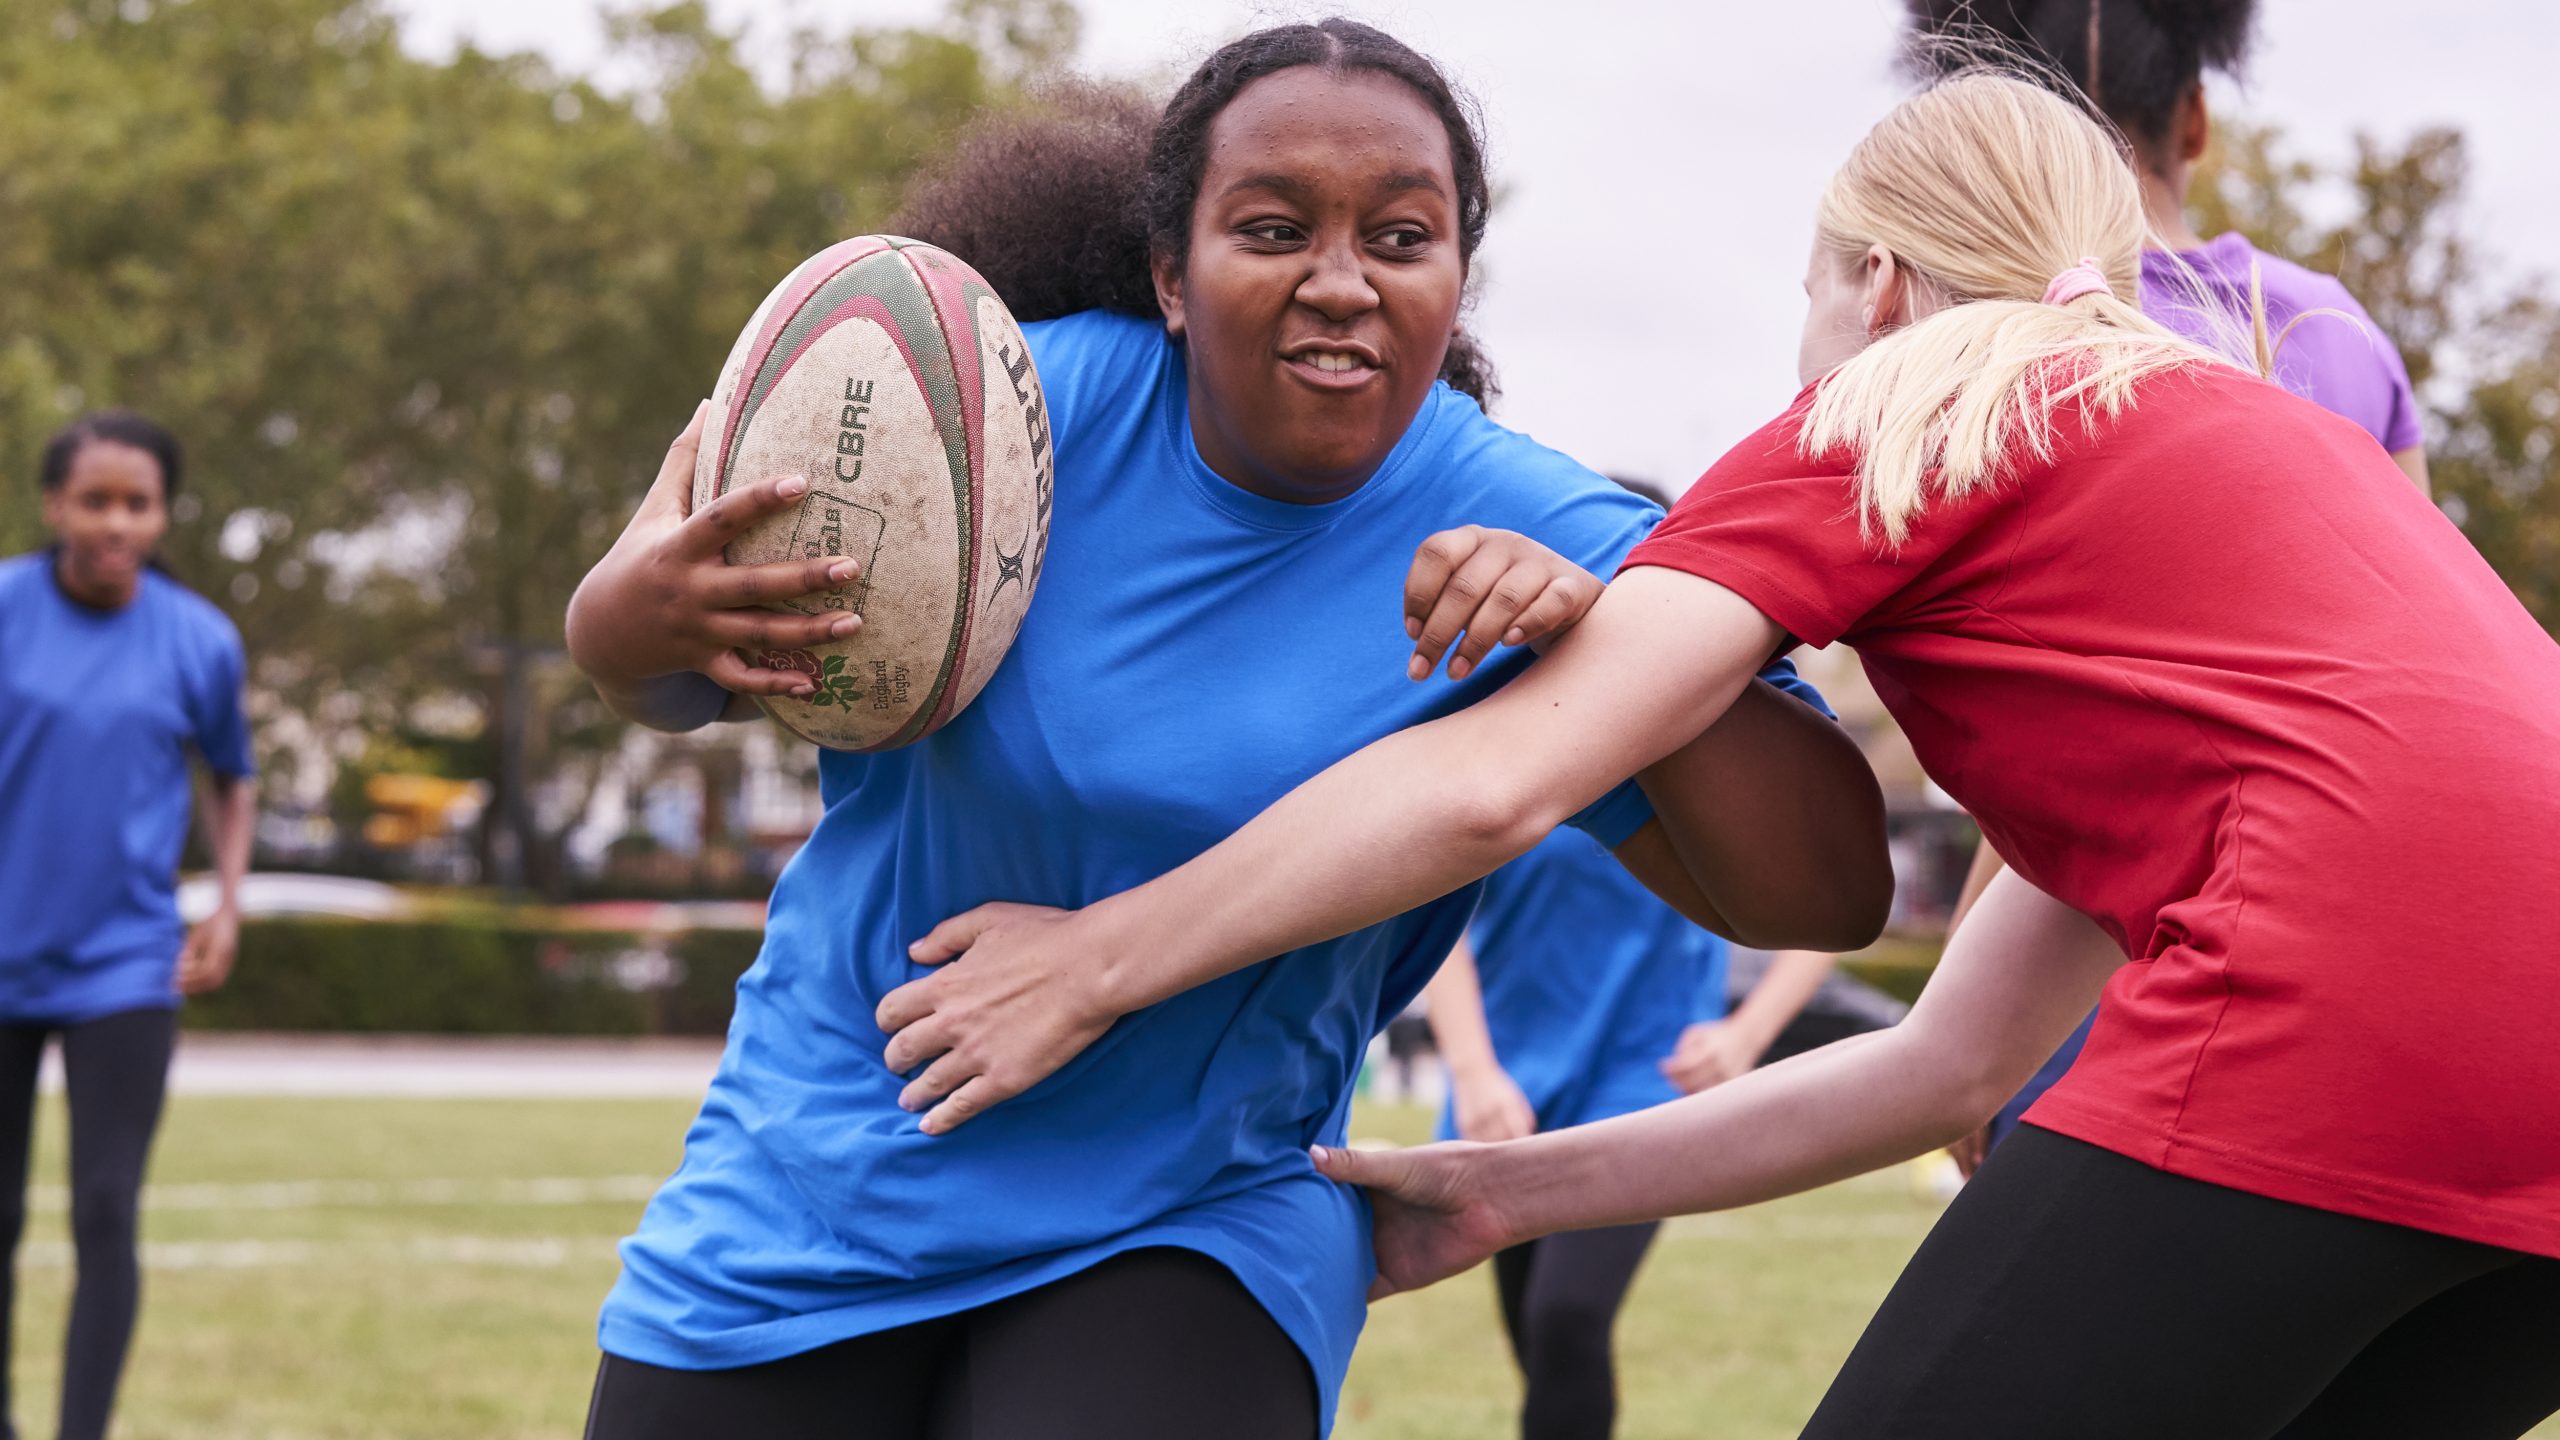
(2020,974)
(1404,821)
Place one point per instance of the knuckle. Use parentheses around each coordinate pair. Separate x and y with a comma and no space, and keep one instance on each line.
(1466,586)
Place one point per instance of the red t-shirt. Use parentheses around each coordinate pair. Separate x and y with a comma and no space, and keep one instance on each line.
(2223,680)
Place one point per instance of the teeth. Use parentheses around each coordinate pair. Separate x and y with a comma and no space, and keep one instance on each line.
(1329,360)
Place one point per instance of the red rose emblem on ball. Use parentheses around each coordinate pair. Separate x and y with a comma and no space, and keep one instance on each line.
(800,660)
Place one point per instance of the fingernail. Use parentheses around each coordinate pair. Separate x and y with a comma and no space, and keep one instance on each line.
(1513,636)
(845,626)
(930,1126)
(843,570)
(1412,628)
(915,950)
(1459,669)
(793,488)
(1417,668)
(1317,1154)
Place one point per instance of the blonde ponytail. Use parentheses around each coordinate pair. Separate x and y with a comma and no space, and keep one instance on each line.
(1984,188)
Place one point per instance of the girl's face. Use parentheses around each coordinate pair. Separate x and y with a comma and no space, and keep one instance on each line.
(108,513)
(1323,280)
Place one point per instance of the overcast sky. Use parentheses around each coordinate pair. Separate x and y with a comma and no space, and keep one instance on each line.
(1660,161)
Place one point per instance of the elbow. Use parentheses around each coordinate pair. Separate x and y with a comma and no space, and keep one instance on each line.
(1837,917)
(1499,821)
(1857,917)
(1835,926)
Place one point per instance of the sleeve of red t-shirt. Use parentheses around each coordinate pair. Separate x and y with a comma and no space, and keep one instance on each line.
(1780,529)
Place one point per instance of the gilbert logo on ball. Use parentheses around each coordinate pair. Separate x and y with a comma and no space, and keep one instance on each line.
(886,373)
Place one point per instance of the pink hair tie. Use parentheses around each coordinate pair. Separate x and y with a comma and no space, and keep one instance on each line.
(2084,278)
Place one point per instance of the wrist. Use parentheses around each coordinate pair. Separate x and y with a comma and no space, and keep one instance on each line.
(1469,1071)
(1515,1180)
(1116,979)
(677,701)
(1754,1034)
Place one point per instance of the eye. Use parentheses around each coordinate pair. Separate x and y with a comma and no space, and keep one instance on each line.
(1404,239)
(1276,232)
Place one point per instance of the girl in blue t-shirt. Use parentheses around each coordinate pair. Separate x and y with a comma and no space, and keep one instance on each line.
(1243,313)
(1578,996)
(110,674)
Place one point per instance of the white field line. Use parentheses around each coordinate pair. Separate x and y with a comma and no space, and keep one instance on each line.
(518,1252)
(335,1194)
(554,1251)
(550,1252)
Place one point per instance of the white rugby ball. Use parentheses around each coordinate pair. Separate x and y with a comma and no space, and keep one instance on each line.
(890,376)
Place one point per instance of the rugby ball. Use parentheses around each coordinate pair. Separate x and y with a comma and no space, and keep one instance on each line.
(891,377)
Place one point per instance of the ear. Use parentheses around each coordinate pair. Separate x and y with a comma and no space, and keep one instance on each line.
(2193,126)
(1886,304)
(1168,278)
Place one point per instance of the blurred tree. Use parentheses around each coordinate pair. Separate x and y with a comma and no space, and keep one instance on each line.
(426,326)
(2484,354)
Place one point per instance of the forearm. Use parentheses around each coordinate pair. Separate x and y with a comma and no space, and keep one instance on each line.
(1784,990)
(1806,1121)
(1425,810)
(1778,820)
(1455,997)
(230,827)
(1411,817)
(2019,977)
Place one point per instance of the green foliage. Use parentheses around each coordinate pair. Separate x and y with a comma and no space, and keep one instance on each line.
(2486,357)
(2497,465)
(473,976)
(426,327)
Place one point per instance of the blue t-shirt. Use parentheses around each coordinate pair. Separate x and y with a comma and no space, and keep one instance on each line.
(1194,652)
(98,709)
(1589,978)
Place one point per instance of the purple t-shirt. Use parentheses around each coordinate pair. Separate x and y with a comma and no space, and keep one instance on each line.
(2351,369)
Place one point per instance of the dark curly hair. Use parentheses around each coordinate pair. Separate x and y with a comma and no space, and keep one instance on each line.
(2135,59)
(1060,203)
(116,427)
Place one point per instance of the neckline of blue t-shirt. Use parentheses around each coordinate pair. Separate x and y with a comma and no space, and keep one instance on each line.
(1173,418)
(49,561)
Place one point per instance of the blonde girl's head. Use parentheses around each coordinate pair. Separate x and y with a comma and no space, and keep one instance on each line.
(1939,360)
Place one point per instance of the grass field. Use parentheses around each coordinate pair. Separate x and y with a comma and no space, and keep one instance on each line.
(430,1269)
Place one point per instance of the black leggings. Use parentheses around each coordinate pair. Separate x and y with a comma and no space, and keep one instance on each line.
(1155,1344)
(2070,1291)
(115,1070)
(1560,1298)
